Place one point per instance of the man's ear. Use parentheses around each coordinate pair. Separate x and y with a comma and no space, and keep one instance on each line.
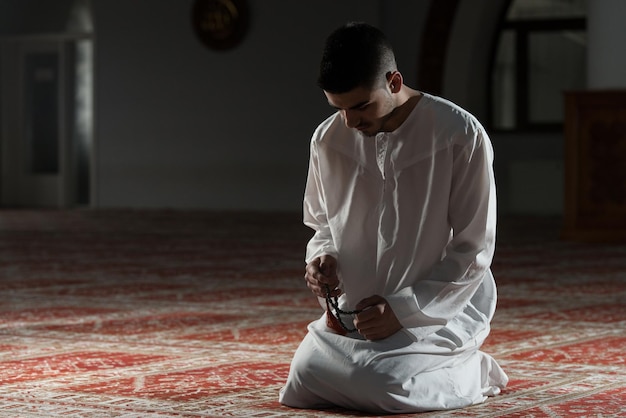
(394,80)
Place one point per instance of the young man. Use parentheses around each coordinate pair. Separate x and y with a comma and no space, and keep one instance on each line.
(401,197)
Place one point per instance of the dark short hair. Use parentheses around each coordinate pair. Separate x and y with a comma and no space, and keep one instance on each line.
(355,55)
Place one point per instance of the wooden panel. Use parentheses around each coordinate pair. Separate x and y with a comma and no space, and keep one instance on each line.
(595,166)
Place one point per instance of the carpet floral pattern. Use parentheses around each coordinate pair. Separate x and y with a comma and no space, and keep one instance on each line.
(126,313)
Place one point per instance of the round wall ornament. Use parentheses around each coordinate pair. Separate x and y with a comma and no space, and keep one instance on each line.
(220,24)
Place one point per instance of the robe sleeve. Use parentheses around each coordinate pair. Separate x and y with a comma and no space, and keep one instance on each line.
(441,300)
(314,211)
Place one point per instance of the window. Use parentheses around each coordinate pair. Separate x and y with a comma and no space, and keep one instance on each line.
(541,52)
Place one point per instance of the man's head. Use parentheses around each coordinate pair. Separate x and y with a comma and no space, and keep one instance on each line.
(359,77)
(355,55)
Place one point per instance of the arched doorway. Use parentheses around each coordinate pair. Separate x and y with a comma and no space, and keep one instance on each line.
(457,44)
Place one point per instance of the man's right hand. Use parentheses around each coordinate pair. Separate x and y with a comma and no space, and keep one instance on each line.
(320,272)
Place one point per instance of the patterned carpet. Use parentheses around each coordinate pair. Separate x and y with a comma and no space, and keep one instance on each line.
(197,314)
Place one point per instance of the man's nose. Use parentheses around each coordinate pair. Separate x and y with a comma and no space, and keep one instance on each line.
(350,118)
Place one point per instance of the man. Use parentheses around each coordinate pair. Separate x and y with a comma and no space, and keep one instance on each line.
(401,197)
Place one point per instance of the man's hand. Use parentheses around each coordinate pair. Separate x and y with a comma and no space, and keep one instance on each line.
(377,321)
(320,272)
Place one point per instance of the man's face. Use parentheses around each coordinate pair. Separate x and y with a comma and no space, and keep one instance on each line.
(363,109)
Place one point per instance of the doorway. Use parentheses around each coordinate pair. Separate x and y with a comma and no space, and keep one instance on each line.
(45,117)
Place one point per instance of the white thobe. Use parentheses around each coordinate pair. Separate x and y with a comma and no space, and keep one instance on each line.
(409,215)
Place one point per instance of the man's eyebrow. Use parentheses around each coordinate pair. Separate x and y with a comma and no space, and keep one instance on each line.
(356,106)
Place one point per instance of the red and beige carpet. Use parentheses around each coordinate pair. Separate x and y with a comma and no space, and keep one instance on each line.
(197,314)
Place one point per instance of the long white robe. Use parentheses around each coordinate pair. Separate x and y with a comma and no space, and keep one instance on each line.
(410,215)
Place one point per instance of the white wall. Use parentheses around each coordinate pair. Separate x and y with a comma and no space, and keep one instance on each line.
(179,125)
(606,33)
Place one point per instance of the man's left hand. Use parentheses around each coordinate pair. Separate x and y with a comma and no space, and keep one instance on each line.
(377,321)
